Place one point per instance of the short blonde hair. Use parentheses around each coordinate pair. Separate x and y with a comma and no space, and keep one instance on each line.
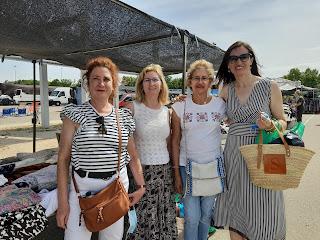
(163,97)
(200,64)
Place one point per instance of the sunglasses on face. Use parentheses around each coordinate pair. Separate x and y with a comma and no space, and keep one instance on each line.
(102,128)
(243,58)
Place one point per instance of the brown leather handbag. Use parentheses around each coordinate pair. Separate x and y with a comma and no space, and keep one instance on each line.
(107,206)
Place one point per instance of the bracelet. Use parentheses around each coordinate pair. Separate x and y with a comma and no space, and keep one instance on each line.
(175,166)
(140,186)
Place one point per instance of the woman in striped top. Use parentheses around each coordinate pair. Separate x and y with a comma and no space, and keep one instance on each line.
(89,139)
(249,211)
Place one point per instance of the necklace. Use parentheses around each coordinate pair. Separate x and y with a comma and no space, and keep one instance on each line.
(201,103)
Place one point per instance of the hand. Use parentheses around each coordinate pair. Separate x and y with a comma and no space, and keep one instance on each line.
(136,196)
(179,98)
(263,122)
(63,215)
(178,184)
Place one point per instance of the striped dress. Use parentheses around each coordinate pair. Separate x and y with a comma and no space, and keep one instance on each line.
(254,212)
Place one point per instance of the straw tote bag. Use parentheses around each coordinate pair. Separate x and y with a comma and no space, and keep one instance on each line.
(283,165)
(107,206)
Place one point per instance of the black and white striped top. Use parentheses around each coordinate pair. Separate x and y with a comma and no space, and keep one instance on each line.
(91,150)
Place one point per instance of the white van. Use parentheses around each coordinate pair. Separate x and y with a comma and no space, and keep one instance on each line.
(60,95)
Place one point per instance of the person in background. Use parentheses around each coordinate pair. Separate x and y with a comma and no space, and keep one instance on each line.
(250,212)
(89,140)
(156,211)
(299,105)
(196,134)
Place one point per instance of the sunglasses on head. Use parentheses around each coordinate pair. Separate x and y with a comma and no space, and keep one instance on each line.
(243,57)
(102,128)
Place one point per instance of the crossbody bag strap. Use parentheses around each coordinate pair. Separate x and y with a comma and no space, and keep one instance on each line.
(120,141)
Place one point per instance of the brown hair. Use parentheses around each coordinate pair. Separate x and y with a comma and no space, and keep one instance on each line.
(102,62)
(224,74)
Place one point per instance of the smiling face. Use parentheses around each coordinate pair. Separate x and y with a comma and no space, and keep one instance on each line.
(100,83)
(151,84)
(200,81)
(240,61)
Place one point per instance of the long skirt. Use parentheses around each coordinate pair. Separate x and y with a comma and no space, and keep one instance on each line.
(156,212)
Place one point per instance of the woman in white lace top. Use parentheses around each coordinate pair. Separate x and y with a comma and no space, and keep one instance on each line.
(156,210)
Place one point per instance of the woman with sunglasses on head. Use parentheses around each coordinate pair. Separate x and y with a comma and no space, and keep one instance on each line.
(90,141)
(250,212)
(156,210)
(196,135)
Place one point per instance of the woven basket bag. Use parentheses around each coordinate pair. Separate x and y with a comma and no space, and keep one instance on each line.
(297,159)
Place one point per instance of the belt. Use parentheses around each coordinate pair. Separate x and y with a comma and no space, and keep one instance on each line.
(100,175)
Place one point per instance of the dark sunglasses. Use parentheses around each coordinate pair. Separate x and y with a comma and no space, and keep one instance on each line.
(102,128)
(243,58)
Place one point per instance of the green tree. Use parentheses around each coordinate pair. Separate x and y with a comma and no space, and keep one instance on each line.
(129,81)
(311,78)
(294,75)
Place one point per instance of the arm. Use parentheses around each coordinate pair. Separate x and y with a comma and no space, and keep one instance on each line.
(224,93)
(175,149)
(67,133)
(169,137)
(276,108)
(137,172)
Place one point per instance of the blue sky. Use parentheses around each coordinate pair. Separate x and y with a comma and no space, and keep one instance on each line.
(283,33)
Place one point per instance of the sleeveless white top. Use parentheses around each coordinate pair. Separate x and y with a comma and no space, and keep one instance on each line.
(152,131)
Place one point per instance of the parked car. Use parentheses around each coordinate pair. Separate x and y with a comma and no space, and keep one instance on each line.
(128,97)
(6,100)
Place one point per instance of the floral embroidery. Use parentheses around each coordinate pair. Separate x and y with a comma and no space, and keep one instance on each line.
(188,117)
(216,116)
(202,117)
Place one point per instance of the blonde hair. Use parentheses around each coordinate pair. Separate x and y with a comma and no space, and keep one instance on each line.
(163,97)
(200,64)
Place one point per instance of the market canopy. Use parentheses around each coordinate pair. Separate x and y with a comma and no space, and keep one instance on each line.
(72,31)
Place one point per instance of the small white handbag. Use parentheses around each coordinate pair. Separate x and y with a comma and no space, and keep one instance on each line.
(205,179)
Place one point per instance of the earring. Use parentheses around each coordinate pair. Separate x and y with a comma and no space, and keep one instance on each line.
(229,70)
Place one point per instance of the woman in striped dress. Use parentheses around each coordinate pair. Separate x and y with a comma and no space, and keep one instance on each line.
(250,212)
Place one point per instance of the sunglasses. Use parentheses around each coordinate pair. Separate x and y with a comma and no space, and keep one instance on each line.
(102,128)
(243,58)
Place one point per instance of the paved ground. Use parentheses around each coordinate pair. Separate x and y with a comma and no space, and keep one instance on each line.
(302,204)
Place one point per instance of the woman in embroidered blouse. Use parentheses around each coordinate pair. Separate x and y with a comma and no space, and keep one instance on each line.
(196,134)
(156,210)
(89,139)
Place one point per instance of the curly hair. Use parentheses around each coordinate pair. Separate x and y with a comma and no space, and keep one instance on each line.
(102,62)
(200,64)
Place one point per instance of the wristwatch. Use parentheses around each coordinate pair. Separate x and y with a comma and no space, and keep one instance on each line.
(140,186)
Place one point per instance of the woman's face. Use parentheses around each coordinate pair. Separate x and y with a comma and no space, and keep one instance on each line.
(100,83)
(151,84)
(200,82)
(240,61)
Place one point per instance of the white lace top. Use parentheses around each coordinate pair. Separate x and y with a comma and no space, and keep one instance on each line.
(152,130)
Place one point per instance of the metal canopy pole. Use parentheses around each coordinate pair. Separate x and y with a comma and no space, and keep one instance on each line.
(34,119)
(185,45)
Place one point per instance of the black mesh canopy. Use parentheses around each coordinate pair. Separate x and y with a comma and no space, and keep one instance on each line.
(72,31)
